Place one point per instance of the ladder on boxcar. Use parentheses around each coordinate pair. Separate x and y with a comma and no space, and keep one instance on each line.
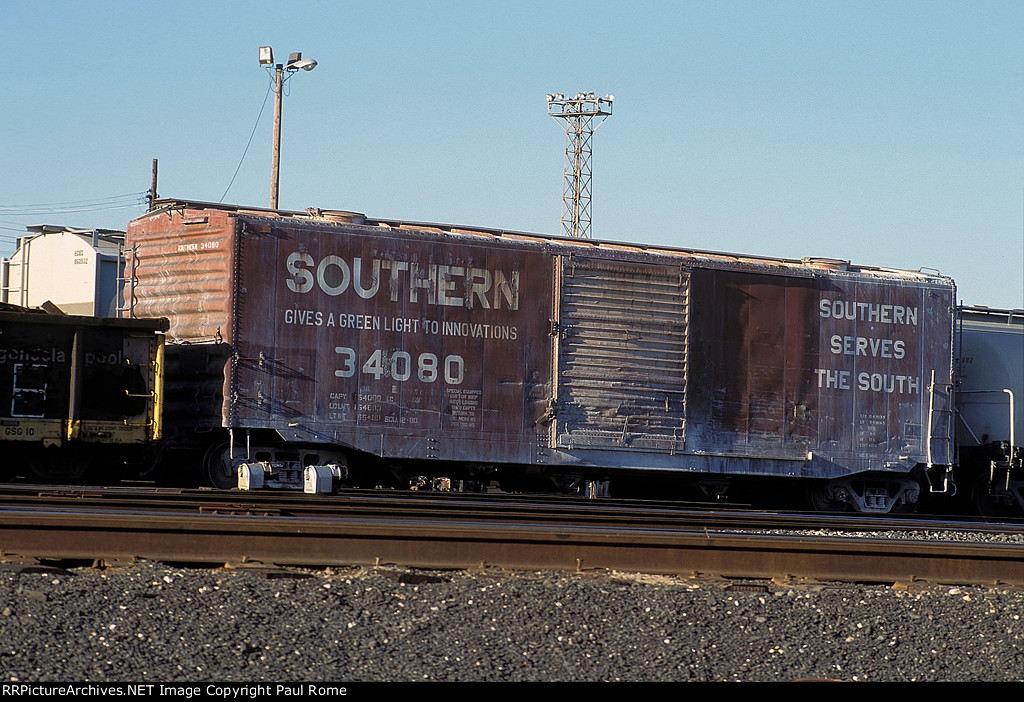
(126,280)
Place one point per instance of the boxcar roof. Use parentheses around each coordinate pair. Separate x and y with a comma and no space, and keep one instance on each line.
(312,215)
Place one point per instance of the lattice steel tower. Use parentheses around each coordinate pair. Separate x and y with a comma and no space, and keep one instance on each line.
(579,114)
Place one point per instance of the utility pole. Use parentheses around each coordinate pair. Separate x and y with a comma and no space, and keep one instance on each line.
(295,62)
(151,196)
(275,162)
(579,113)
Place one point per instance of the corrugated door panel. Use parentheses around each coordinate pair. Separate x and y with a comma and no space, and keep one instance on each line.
(622,356)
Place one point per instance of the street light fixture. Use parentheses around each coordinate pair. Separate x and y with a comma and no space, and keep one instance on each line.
(295,62)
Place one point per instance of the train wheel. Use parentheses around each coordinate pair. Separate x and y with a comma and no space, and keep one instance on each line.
(987,504)
(57,464)
(822,500)
(217,469)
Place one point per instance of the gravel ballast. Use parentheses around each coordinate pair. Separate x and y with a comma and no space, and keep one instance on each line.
(149,622)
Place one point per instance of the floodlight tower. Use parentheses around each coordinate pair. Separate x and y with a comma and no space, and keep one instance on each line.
(579,113)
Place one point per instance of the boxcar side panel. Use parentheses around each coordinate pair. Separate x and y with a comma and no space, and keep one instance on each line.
(754,346)
(833,367)
(621,356)
(396,344)
(885,373)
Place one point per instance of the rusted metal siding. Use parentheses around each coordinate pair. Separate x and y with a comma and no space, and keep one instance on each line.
(181,265)
(621,356)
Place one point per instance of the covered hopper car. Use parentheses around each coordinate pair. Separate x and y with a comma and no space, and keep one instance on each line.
(77,391)
(990,389)
(301,341)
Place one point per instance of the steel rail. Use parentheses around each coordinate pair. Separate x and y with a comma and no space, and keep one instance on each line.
(444,540)
(471,505)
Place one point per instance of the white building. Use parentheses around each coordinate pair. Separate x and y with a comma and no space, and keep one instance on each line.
(74,269)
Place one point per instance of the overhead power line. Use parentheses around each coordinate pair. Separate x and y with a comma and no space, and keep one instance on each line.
(113,202)
(270,87)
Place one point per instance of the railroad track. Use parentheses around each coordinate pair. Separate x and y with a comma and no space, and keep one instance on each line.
(432,530)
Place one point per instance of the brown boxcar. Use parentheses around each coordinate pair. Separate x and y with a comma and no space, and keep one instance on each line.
(76,389)
(486,347)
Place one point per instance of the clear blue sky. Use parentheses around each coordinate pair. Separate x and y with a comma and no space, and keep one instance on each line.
(888,133)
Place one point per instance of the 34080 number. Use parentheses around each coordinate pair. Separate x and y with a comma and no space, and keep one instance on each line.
(398,365)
